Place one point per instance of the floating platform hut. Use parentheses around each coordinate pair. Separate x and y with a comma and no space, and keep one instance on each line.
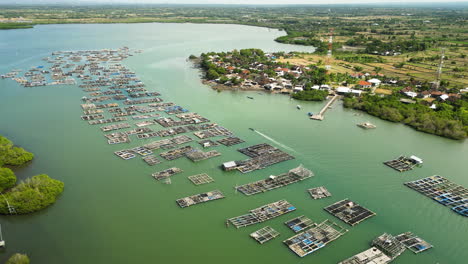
(319,192)
(199,179)
(261,156)
(443,191)
(349,212)
(371,256)
(263,213)
(200,198)
(389,245)
(294,175)
(413,242)
(299,224)
(403,163)
(161,175)
(315,238)
(264,234)
(208,143)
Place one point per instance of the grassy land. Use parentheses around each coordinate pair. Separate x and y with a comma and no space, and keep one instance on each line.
(15,25)
(454,70)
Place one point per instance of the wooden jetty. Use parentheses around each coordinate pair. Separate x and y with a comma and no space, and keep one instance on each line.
(294,175)
(200,198)
(321,115)
(314,238)
(349,212)
(199,179)
(264,234)
(319,192)
(443,191)
(263,213)
(299,224)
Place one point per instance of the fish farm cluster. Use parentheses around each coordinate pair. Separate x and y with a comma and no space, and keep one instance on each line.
(116,101)
(443,191)
(386,248)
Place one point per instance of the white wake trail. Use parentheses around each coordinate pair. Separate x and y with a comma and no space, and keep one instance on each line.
(274,141)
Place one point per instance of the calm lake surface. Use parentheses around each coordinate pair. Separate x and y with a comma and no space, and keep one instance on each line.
(113,211)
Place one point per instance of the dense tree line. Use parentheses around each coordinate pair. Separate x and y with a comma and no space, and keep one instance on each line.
(311,95)
(31,194)
(11,155)
(449,120)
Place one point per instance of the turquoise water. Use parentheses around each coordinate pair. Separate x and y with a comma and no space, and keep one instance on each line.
(113,211)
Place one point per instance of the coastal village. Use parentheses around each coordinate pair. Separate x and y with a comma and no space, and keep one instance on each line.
(116,103)
(272,72)
(393,98)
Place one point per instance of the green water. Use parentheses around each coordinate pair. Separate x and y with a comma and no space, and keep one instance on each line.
(112,211)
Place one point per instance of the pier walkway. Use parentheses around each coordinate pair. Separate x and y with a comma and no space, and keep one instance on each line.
(320,115)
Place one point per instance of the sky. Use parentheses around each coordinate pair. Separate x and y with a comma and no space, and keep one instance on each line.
(251,2)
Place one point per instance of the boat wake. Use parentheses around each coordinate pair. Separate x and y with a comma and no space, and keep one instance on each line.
(274,141)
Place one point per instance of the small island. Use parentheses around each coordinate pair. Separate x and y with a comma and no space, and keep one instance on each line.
(30,195)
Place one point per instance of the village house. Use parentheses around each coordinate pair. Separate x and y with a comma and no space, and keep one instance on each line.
(375,82)
(364,84)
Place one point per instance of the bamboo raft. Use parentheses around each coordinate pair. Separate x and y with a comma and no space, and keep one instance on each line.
(165,174)
(263,213)
(200,198)
(264,234)
(413,242)
(199,179)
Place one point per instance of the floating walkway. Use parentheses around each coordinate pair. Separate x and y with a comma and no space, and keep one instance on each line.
(321,115)
(263,213)
(273,182)
(200,198)
(444,192)
(349,212)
